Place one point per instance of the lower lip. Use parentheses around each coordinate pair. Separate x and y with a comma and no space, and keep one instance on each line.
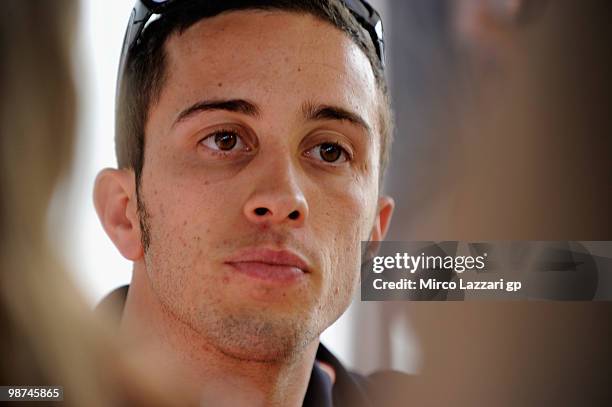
(269,272)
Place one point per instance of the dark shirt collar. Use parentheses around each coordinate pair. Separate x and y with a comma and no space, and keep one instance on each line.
(319,391)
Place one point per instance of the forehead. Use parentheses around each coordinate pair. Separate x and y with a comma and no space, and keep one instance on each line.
(259,55)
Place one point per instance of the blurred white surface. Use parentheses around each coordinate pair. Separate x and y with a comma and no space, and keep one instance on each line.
(96,264)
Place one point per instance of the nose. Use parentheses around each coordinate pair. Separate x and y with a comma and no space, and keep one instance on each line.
(277,199)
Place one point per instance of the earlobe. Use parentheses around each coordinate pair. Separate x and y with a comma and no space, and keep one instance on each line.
(115,202)
(383,218)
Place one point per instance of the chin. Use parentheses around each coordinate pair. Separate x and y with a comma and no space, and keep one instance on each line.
(258,339)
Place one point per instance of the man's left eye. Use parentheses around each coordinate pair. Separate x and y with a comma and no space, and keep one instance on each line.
(329,152)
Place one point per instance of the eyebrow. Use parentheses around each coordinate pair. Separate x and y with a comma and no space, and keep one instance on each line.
(327,112)
(310,111)
(233,105)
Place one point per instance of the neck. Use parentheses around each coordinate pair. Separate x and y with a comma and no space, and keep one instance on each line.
(210,376)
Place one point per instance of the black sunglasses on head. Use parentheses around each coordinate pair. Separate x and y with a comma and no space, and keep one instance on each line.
(144,10)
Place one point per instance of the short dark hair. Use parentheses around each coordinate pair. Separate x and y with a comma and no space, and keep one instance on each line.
(145,68)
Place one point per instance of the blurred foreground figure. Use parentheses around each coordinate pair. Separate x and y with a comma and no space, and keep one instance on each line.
(47,333)
(511,140)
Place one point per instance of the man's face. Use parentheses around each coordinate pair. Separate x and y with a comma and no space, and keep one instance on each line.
(268,165)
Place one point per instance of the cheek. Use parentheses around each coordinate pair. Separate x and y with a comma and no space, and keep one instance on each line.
(191,220)
(346,211)
(183,195)
(345,220)
(345,223)
(181,235)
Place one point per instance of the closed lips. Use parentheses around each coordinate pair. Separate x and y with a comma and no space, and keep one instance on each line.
(270,257)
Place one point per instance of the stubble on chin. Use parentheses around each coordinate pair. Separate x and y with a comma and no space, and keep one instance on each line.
(255,336)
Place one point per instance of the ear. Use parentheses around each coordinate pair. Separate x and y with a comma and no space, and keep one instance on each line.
(383,218)
(115,202)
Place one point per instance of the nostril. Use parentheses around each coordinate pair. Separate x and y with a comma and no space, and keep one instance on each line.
(294,215)
(261,211)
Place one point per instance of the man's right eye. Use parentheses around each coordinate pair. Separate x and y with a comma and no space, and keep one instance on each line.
(224,141)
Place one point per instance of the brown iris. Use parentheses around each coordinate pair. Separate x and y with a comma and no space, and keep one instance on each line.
(225,140)
(330,152)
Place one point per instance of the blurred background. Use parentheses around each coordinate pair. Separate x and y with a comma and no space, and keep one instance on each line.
(503,133)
